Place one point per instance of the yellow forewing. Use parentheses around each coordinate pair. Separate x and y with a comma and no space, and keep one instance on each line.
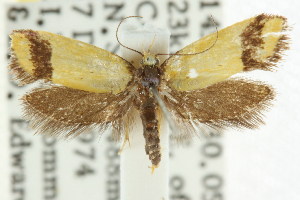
(224,59)
(74,64)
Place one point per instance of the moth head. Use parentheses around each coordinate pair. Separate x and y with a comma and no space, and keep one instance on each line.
(149,60)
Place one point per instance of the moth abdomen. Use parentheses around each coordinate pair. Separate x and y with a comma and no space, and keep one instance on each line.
(148,112)
(152,146)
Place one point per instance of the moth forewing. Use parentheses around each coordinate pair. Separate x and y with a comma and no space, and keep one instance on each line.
(74,64)
(255,43)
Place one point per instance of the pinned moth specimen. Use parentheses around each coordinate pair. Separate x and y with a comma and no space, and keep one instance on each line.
(87,87)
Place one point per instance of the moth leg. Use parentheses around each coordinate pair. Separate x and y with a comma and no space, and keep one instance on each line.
(126,140)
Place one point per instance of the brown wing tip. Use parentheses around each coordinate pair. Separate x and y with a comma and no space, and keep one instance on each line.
(253,43)
(18,72)
(265,16)
(281,46)
(40,52)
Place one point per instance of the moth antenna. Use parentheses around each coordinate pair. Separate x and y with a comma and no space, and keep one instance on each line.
(118,37)
(164,109)
(190,54)
(152,43)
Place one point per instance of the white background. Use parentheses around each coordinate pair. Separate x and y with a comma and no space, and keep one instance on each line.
(265,164)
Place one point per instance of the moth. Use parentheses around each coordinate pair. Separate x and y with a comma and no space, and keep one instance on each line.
(85,87)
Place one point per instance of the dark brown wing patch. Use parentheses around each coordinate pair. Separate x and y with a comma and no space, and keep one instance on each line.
(41,52)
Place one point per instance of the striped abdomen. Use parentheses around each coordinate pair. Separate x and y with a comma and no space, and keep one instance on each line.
(148,112)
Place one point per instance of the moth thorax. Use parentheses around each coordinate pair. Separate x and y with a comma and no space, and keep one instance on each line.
(150,60)
(150,72)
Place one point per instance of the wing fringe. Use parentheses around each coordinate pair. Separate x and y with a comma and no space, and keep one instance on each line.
(18,72)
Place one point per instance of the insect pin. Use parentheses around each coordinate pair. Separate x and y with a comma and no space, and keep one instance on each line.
(87,87)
